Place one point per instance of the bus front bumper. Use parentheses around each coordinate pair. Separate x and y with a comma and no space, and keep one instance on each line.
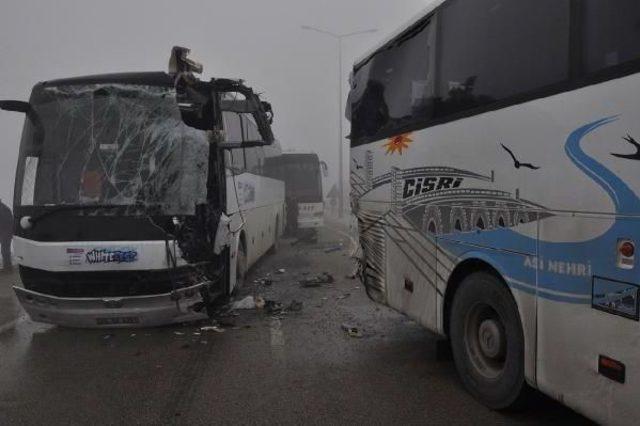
(113,312)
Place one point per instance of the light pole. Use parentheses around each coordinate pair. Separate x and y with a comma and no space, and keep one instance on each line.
(339,38)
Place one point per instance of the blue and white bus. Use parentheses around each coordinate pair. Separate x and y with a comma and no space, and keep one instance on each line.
(495,148)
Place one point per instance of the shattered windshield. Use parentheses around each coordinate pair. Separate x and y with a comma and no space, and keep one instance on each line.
(113,144)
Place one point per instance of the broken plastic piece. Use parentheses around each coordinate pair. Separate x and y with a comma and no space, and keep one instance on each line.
(246,303)
(352,331)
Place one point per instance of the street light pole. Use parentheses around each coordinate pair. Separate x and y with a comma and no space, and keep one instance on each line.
(339,38)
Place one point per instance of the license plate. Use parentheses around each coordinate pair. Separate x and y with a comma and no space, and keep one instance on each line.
(118,320)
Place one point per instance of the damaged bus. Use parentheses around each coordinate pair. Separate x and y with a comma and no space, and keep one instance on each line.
(495,180)
(139,197)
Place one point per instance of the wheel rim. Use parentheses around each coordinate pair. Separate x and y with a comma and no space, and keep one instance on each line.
(486,341)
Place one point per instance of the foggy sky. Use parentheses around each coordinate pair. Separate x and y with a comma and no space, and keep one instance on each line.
(257,40)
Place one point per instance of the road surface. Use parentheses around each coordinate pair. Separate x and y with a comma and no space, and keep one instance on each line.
(263,369)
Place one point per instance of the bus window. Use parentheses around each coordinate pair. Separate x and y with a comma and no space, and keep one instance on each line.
(232,127)
(610,30)
(495,49)
(250,128)
(253,159)
(394,88)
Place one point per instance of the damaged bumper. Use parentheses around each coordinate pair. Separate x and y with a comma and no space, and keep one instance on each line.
(113,312)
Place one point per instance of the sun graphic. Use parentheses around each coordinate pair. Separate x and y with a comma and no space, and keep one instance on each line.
(398,143)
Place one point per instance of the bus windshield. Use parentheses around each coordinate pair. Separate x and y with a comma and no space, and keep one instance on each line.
(111,144)
(303,178)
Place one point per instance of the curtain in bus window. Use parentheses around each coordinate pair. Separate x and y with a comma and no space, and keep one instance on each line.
(611,33)
(494,49)
(393,89)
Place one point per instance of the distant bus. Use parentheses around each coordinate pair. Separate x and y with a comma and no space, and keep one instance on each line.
(495,179)
(141,197)
(302,174)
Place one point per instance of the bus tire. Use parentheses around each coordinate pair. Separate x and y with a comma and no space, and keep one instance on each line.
(241,265)
(276,238)
(488,342)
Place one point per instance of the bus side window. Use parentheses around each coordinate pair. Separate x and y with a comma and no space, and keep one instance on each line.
(235,160)
(491,50)
(610,31)
(252,159)
(250,130)
(395,87)
(232,127)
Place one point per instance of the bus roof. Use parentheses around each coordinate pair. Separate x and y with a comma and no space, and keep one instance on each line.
(150,78)
(433,6)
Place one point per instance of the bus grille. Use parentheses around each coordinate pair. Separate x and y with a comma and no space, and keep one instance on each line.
(372,240)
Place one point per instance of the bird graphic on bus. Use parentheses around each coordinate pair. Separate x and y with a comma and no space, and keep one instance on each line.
(517,164)
(398,144)
(634,156)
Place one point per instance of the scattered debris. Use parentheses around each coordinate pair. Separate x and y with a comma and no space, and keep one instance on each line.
(317,281)
(272,307)
(244,304)
(352,331)
(343,296)
(132,335)
(259,302)
(295,306)
(215,328)
(281,271)
(332,249)
(178,333)
(108,336)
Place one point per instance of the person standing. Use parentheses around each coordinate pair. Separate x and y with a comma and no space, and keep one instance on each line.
(6,234)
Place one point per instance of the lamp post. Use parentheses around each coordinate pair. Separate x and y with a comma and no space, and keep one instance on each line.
(339,38)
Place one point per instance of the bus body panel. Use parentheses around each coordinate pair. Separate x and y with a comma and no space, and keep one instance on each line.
(549,232)
(261,201)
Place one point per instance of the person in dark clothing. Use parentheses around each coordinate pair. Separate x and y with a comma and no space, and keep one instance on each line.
(6,234)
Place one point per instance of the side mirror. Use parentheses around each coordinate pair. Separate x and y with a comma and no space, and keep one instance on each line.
(15,106)
(266,106)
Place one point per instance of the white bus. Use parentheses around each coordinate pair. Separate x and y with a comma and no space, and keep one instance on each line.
(140,197)
(302,174)
(495,181)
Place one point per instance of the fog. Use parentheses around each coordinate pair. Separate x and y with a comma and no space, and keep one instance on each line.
(261,42)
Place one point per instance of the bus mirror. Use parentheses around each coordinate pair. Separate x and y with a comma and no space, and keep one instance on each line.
(15,106)
(266,106)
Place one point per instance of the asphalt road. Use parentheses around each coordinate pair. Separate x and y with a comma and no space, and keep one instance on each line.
(298,368)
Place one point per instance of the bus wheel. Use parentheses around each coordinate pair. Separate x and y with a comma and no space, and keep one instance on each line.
(276,238)
(488,342)
(241,265)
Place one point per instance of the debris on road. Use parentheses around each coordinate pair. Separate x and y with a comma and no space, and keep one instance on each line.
(352,331)
(244,304)
(215,328)
(294,306)
(317,281)
(333,249)
(259,302)
(281,271)
(343,296)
